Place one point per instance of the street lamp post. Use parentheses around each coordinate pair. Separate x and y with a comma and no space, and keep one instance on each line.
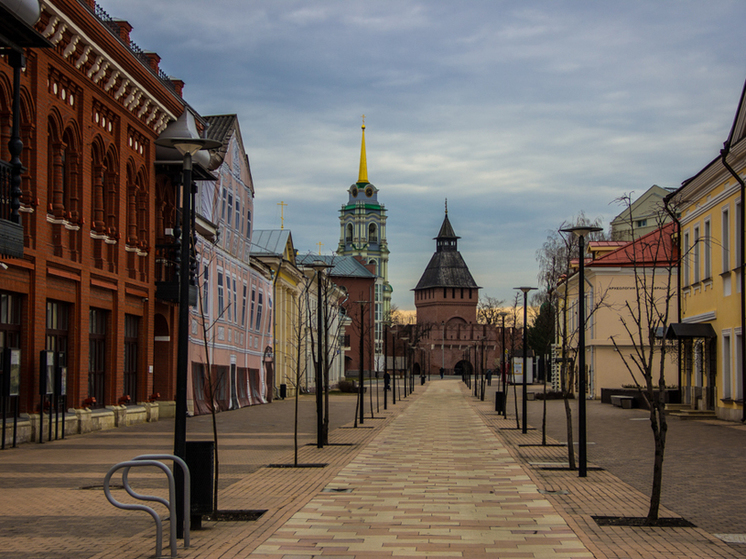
(183,136)
(319,266)
(525,290)
(581,233)
(503,373)
(361,377)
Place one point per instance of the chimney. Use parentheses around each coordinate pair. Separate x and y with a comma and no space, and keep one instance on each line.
(178,85)
(124,30)
(153,60)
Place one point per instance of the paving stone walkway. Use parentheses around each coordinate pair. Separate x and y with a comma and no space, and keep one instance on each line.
(438,475)
(436,482)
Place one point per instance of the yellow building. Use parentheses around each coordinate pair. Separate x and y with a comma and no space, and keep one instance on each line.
(274,248)
(712,293)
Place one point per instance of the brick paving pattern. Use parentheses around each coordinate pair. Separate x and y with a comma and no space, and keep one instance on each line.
(438,475)
(436,482)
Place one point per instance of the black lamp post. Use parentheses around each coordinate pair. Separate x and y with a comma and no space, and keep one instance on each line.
(525,290)
(183,136)
(581,233)
(503,373)
(361,378)
(319,266)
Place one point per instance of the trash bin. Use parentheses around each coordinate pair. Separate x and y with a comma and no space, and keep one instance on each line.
(422,379)
(283,391)
(200,457)
(500,401)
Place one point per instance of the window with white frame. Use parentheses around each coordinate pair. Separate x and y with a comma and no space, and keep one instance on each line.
(243,306)
(269,314)
(727,357)
(235,300)
(686,258)
(696,252)
(221,298)
(228,305)
(707,249)
(739,225)
(253,307)
(260,304)
(725,239)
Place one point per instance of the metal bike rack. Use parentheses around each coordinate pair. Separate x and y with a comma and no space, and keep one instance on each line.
(143,461)
(187,488)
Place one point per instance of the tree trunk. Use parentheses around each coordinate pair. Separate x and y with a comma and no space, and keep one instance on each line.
(570,440)
(217,462)
(659,427)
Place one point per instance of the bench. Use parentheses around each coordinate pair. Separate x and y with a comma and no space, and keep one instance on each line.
(625,402)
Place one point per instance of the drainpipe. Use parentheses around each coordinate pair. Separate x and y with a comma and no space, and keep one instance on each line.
(670,211)
(742,236)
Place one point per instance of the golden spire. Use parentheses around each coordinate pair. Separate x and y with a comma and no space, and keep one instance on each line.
(363,175)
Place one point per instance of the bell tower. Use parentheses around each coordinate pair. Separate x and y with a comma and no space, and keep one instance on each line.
(362,222)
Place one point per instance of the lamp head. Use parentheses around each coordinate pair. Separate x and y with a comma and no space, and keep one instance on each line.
(182,134)
(582,230)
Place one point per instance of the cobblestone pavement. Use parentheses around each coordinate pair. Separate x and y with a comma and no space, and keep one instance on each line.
(438,475)
(703,480)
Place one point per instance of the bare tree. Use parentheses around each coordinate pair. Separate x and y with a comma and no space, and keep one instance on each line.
(489,309)
(212,379)
(654,259)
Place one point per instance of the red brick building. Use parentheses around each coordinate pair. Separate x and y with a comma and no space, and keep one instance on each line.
(446,333)
(98,213)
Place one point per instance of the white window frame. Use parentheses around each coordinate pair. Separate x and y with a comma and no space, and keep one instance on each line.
(686,257)
(707,241)
(696,250)
(727,367)
(725,239)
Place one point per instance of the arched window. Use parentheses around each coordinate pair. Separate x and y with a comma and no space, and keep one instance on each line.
(372,233)
(348,237)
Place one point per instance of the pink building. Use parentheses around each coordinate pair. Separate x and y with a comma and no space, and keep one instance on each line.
(230,348)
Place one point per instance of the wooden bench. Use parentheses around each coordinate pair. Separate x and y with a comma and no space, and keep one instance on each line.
(625,402)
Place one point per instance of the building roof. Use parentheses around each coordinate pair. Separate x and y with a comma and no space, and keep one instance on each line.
(342,266)
(446,269)
(269,242)
(220,127)
(655,248)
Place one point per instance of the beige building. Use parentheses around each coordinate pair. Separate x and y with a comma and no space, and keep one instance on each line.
(609,287)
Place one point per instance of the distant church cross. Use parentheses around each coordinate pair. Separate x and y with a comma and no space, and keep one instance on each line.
(363,121)
(282,214)
(320,244)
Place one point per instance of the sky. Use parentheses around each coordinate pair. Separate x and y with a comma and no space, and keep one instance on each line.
(522,114)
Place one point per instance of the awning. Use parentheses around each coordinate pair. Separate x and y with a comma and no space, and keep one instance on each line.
(681,330)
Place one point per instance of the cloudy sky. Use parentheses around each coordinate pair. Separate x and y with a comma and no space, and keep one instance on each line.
(520,113)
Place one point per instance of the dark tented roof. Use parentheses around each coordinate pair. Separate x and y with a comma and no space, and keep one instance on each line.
(446,230)
(446,269)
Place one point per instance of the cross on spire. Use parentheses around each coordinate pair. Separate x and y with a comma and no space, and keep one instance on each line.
(282,214)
